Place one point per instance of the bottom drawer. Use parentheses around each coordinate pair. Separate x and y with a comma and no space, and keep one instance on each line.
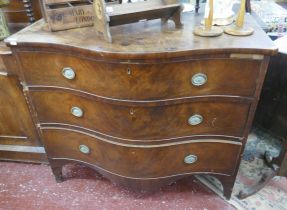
(153,161)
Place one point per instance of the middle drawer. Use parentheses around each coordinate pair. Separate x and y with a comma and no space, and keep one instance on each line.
(142,122)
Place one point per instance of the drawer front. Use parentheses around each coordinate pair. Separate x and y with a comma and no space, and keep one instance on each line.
(158,122)
(144,81)
(143,162)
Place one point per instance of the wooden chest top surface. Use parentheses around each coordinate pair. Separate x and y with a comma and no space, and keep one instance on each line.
(148,39)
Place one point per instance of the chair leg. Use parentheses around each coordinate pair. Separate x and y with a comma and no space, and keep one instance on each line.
(273,171)
(248,6)
(257,187)
(197,6)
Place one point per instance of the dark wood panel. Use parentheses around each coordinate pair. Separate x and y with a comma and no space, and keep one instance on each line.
(4,53)
(23,157)
(10,64)
(143,162)
(16,12)
(271,113)
(143,82)
(18,135)
(16,126)
(129,122)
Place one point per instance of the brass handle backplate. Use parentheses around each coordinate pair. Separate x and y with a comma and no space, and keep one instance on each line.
(199,79)
(195,119)
(84,149)
(190,159)
(68,73)
(77,112)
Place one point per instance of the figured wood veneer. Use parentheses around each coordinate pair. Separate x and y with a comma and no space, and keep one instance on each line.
(142,81)
(136,96)
(147,161)
(140,122)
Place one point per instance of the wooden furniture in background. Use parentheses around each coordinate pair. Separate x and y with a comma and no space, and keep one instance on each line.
(68,14)
(143,111)
(120,14)
(19,140)
(20,13)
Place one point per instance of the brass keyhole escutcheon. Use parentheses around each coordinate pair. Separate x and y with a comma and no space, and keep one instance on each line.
(132,114)
(129,71)
(132,111)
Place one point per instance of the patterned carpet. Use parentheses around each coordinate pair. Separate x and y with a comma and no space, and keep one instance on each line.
(274,195)
(272,15)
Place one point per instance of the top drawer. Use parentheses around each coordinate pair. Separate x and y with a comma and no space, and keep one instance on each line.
(235,77)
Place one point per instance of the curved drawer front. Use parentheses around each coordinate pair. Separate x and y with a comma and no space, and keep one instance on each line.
(143,162)
(139,123)
(143,81)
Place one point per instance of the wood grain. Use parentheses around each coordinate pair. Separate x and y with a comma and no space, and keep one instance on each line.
(150,123)
(142,81)
(144,40)
(147,162)
(69,15)
(16,126)
(16,12)
(136,97)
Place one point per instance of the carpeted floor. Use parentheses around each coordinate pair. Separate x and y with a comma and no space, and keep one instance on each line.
(28,187)
(271,197)
(283,4)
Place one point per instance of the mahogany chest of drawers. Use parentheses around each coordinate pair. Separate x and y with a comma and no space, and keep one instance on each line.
(154,106)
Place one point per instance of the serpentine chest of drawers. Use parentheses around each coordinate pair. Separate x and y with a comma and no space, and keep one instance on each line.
(154,106)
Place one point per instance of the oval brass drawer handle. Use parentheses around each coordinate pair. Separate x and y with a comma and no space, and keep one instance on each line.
(195,119)
(190,159)
(84,149)
(199,79)
(68,73)
(77,111)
